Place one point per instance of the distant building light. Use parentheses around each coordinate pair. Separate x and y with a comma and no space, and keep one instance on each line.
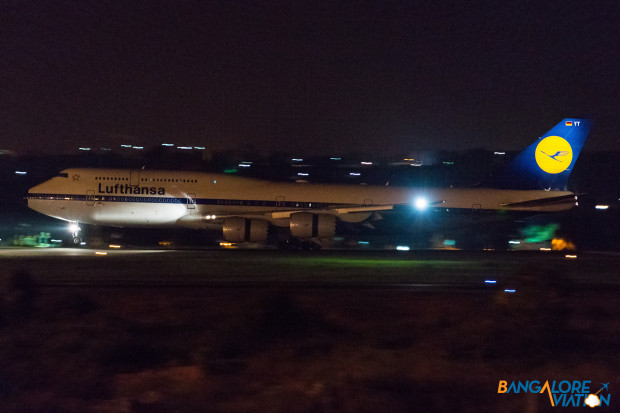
(244,165)
(402,248)
(514,242)
(185,148)
(21,173)
(499,153)
(297,160)
(200,148)
(545,249)
(126,146)
(602,207)
(572,256)
(366,163)
(409,159)
(303,174)
(336,159)
(167,144)
(510,291)
(354,174)
(490,282)
(84,149)
(247,162)
(138,147)
(231,171)
(448,163)
(363,242)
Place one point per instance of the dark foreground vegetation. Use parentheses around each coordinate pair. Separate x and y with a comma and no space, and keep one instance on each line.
(277,349)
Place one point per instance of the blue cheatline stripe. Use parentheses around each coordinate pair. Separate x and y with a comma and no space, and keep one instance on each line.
(184,201)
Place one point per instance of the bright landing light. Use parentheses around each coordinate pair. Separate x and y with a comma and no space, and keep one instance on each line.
(421,203)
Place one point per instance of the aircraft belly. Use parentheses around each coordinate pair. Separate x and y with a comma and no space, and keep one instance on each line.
(140,214)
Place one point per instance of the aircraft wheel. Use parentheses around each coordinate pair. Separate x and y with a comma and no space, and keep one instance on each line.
(77,241)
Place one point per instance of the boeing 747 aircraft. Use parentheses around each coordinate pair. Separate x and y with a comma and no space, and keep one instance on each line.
(245,208)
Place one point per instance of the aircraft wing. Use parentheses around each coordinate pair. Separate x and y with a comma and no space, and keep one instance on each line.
(335,211)
(543,202)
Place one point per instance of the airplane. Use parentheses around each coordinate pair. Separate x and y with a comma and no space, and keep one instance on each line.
(245,208)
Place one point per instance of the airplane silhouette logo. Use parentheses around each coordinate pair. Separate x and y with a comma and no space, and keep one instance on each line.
(604,386)
(558,153)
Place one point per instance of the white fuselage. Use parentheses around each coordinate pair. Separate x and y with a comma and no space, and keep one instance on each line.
(194,199)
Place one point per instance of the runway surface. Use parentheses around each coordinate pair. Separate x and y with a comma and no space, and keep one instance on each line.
(423,270)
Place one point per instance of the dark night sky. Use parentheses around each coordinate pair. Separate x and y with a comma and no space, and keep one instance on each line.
(310,76)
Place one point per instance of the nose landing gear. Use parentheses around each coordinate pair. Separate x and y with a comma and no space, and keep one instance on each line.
(75,229)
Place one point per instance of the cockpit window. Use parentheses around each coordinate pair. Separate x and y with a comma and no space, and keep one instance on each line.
(63,175)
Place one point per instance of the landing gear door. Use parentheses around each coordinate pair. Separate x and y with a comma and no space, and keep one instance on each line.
(134,178)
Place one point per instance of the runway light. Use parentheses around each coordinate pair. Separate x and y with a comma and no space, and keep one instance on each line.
(366,163)
(21,173)
(167,144)
(490,281)
(336,159)
(297,160)
(545,249)
(510,291)
(244,165)
(602,207)
(571,256)
(354,174)
(514,242)
(303,174)
(402,248)
(421,203)
(114,246)
(101,253)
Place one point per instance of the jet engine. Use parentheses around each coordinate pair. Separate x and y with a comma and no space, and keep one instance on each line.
(308,225)
(237,229)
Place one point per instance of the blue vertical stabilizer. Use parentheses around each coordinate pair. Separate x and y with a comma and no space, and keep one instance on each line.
(548,162)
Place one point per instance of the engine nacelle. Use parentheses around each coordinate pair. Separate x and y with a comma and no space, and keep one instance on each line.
(308,225)
(237,229)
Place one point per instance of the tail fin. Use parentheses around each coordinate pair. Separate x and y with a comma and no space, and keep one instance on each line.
(548,162)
